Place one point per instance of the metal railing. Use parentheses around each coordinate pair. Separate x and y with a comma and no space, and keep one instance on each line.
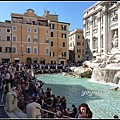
(41,109)
(64,116)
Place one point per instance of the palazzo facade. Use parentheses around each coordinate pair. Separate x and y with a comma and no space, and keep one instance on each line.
(102,29)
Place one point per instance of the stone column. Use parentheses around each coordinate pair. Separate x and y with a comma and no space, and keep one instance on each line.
(99,34)
(105,30)
(84,31)
(11,101)
(67,50)
(112,33)
(118,6)
(91,34)
(110,39)
(33,111)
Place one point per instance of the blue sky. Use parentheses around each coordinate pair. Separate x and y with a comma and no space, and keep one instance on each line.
(69,11)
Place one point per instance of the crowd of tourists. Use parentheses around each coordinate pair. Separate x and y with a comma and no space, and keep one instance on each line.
(19,78)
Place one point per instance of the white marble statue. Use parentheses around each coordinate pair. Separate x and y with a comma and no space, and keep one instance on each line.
(111,57)
(114,16)
(115,40)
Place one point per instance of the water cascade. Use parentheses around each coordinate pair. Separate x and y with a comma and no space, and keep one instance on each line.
(105,70)
(103,75)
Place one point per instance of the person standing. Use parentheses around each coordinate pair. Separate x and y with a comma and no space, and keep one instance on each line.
(5,91)
(7,78)
(2,78)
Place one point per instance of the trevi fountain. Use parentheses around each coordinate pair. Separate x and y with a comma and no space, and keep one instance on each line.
(105,69)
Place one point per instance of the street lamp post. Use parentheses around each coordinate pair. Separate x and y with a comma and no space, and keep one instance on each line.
(22,54)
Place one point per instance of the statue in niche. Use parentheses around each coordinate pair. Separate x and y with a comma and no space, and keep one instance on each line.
(114,16)
(114,40)
(8,49)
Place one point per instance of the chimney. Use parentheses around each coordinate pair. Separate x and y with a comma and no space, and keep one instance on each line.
(46,13)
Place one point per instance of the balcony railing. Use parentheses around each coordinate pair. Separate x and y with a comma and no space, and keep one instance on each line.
(30,23)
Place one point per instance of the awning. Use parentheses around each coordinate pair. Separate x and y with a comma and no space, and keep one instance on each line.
(16,59)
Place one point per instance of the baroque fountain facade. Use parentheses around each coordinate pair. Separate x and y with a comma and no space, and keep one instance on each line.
(103,41)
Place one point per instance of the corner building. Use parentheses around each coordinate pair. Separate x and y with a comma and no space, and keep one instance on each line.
(39,39)
(5,41)
(76,45)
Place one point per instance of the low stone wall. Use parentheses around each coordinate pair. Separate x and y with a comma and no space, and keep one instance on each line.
(11,109)
(11,101)
(33,110)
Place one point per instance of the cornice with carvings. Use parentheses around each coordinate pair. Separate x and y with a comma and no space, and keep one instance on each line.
(98,17)
(104,12)
(90,20)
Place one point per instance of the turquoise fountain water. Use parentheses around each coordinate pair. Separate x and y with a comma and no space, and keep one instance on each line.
(103,102)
